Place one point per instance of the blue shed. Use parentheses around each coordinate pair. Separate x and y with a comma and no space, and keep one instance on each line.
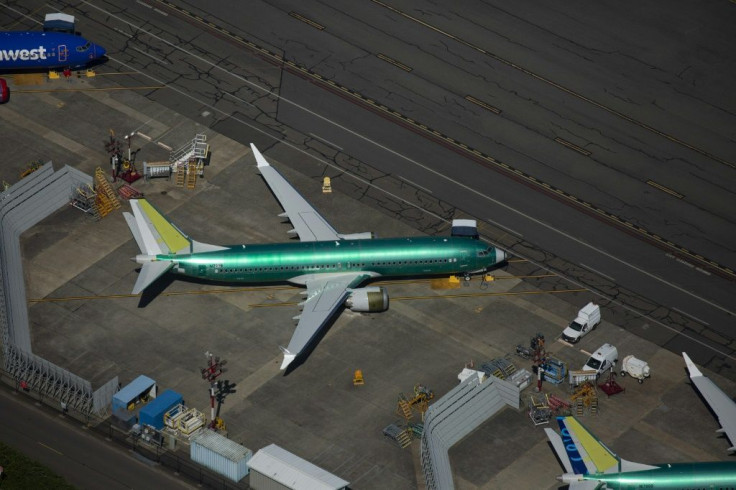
(140,387)
(153,413)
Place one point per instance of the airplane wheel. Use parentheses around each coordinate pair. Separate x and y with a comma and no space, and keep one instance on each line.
(623,373)
(641,381)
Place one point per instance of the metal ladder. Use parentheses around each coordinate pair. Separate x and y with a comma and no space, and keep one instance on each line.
(404,409)
(106,200)
(193,150)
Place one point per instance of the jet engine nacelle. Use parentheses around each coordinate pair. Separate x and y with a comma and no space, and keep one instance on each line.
(366,235)
(368,300)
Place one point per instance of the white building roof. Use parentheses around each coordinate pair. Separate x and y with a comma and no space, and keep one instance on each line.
(292,471)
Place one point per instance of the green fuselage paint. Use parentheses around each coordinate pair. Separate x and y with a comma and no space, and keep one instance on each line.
(683,476)
(279,262)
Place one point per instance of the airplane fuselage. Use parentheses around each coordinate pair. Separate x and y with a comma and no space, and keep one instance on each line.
(39,50)
(682,476)
(279,262)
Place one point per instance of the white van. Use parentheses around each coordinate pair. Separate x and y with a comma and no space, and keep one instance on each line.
(603,359)
(588,318)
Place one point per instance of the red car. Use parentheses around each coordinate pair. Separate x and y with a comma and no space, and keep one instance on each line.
(4,91)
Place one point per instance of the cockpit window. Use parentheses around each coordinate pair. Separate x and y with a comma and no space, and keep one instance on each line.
(84,48)
(485,252)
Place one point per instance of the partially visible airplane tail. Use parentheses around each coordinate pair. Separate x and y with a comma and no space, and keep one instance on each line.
(583,455)
(155,235)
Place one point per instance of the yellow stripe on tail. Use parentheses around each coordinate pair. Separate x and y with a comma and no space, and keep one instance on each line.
(169,236)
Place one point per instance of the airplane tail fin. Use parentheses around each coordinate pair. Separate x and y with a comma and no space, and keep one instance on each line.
(155,235)
(586,453)
(582,454)
(153,232)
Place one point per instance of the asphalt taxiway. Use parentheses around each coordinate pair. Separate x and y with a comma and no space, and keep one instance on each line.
(315,411)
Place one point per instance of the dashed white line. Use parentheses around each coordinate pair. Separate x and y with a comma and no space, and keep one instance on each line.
(120,31)
(415,184)
(325,141)
(513,232)
(690,316)
(597,272)
(150,56)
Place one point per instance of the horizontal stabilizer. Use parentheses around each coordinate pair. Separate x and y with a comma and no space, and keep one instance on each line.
(150,271)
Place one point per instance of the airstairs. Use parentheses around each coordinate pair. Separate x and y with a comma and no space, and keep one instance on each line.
(188,161)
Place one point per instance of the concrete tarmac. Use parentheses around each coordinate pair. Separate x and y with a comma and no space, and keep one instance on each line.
(427,335)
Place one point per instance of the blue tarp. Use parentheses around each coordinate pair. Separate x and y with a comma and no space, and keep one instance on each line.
(131,392)
(153,413)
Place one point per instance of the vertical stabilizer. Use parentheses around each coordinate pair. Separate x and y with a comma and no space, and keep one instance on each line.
(586,453)
(154,233)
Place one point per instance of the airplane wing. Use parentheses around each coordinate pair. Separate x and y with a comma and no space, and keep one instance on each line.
(324,296)
(720,403)
(308,223)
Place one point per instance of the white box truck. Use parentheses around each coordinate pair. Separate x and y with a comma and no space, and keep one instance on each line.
(603,359)
(588,318)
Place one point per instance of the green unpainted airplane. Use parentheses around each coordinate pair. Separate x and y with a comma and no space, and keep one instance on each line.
(590,465)
(332,266)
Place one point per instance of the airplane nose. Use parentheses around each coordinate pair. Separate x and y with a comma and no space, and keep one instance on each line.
(500,255)
(100,51)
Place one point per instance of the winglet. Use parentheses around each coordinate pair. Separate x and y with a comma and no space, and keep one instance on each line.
(694,371)
(288,358)
(259,158)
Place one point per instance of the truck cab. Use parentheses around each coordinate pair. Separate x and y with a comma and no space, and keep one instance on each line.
(588,318)
(603,359)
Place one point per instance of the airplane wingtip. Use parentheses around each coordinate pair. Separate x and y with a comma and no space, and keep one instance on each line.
(691,367)
(259,158)
(288,358)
